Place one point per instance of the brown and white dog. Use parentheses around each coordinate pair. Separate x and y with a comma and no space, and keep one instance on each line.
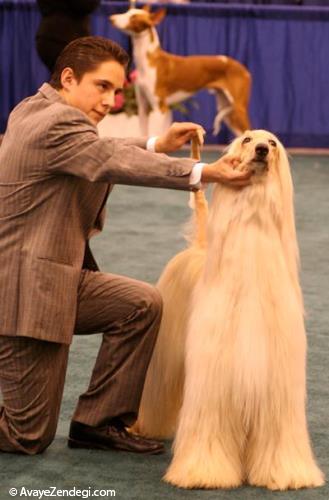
(228,371)
(164,79)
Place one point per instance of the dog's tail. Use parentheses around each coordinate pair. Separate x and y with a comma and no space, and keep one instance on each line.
(196,234)
(196,228)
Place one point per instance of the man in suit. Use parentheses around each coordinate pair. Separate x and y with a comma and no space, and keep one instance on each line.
(55,177)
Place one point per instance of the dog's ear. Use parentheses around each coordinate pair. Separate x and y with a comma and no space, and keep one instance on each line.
(147,8)
(158,16)
(234,147)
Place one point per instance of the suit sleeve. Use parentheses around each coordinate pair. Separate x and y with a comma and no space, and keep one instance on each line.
(74,148)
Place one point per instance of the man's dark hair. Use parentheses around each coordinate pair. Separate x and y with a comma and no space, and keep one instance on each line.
(86,54)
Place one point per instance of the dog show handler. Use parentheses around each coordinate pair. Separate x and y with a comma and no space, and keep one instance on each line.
(55,178)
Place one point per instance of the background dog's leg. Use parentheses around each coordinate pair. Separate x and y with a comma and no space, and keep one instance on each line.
(223,106)
(237,120)
(232,99)
(143,110)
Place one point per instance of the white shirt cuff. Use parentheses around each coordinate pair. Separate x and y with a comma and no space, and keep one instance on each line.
(195,175)
(150,144)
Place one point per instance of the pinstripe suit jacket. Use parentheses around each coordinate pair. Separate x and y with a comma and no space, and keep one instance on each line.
(55,176)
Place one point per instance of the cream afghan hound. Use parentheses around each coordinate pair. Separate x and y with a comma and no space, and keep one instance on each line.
(228,372)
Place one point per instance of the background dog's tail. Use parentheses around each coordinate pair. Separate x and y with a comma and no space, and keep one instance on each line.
(197,228)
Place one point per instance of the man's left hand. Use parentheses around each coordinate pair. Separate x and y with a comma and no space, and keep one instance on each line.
(176,136)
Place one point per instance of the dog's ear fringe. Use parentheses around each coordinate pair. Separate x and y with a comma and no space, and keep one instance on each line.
(288,235)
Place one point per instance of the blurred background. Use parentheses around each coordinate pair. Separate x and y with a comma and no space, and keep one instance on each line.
(284,44)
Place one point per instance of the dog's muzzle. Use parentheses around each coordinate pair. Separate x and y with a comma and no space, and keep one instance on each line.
(260,163)
(115,21)
(262,150)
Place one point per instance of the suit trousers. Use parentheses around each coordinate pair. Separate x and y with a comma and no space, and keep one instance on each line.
(32,371)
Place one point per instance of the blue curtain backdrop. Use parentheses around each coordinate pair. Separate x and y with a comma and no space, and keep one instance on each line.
(273,2)
(284,47)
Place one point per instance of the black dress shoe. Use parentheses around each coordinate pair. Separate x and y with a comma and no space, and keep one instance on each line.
(111,437)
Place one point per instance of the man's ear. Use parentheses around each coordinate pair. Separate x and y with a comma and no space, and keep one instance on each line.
(67,78)
(158,16)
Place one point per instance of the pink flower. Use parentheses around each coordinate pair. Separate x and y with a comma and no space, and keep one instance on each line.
(118,102)
(133,76)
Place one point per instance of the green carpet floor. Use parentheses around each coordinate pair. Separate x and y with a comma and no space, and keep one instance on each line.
(143,231)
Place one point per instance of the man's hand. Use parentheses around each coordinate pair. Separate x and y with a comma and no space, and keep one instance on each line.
(176,136)
(227,170)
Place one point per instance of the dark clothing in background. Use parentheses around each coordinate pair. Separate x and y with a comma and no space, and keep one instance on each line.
(62,21)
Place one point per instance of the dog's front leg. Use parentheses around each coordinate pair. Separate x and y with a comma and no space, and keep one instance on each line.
(210,438)
(279,455)
(209,444)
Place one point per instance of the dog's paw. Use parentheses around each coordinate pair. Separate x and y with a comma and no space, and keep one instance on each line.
(202,477)
(311,477)
(194,483)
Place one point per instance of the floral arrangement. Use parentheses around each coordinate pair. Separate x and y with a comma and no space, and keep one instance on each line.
(126,101)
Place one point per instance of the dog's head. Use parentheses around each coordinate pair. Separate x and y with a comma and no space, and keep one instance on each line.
(135,21)
(259,150)
(263,152)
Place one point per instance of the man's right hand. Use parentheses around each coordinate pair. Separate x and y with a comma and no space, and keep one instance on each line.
(228,170)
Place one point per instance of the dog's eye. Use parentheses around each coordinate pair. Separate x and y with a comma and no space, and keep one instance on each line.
(273,143)
(246,139)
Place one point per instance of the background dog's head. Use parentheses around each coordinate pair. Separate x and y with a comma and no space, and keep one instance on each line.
(135,21)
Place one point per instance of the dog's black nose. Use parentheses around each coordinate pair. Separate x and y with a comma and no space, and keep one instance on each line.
(262,150)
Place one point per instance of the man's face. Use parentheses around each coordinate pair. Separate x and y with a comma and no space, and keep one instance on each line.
(95,93)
